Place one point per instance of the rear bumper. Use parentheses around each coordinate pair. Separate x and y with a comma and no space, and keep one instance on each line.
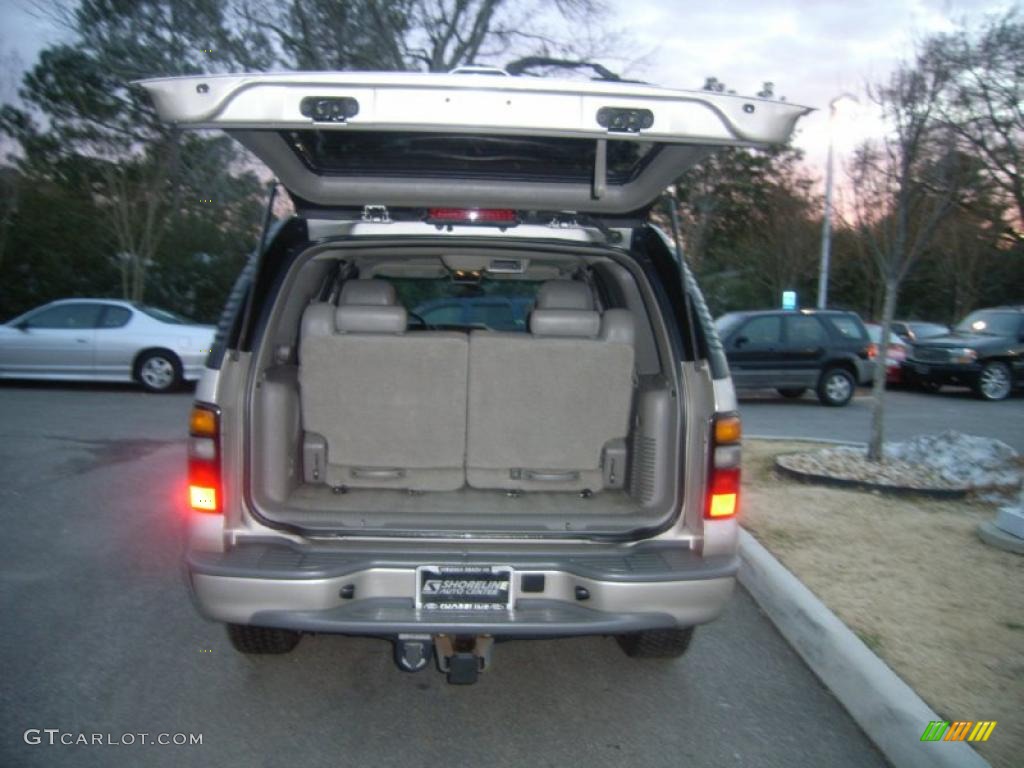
(280,586)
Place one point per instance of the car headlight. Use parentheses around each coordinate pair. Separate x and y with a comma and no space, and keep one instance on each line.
(963,355)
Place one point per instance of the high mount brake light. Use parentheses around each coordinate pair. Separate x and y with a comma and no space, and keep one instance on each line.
(723,490)
(498,217)
(204,480)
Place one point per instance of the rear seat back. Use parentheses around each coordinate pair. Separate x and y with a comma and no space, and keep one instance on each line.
(388,408)
(545,406)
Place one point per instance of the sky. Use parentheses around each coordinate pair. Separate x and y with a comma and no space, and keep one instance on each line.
(812,50)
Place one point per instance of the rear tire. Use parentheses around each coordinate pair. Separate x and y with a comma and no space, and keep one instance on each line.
(656,643)
(792,392)
(159,371)
(249,639)
(835,387)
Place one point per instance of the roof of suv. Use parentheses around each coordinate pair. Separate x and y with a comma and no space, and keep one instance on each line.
(756,312)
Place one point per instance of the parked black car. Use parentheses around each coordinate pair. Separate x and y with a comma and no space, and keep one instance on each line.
(984,352)
(793,351)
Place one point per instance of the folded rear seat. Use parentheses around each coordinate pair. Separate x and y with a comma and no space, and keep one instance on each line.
(550,410)
(380,408)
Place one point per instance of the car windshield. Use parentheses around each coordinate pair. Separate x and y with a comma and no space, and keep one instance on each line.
(164,315)
(990,323)
(494,304)
(928,330)
(875,334)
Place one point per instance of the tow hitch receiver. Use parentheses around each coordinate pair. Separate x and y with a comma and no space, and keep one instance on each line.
(463,657)
(412,652)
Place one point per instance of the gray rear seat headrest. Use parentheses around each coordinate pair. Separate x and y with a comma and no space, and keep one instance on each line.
(360,319)
(565,308)
(565,322)
(565,294)
(369,306)
(368,293)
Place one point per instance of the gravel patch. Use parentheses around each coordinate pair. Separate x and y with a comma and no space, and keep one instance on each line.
(950,461)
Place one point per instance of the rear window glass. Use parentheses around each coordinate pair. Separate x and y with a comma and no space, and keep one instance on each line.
(763,330)
(164,315)
(497,305)
(384,153)
(849,327)
(803,329)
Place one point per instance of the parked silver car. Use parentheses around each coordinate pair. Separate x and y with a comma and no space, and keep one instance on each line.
(104,340)
(446,480)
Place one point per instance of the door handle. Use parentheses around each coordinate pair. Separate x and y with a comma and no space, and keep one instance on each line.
(82,341)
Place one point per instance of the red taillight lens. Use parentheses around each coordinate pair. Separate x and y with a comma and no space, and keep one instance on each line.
(204,484)
(504,217)
(723,491)
(872,351)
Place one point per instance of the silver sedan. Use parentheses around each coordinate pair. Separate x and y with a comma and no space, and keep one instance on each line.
(104,340)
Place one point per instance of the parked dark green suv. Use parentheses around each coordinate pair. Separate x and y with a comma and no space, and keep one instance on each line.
(793,351)
(984,352)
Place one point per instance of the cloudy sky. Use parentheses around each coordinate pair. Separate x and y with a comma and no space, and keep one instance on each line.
(812,50)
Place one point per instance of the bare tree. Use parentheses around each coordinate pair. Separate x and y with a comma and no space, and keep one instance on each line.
(904,184)
(984,99)
(420,35)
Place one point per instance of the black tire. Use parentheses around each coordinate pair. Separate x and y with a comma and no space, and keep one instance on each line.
(792,392)
(835,387)
(656,643)
(995,382)
(158,371)
(249,639)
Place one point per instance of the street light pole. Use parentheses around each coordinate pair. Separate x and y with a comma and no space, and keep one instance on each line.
(826,225)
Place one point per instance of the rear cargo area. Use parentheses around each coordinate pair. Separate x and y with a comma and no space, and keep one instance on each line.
(448,389)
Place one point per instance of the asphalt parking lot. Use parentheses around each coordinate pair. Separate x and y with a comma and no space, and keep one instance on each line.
(908,413)
(100,638)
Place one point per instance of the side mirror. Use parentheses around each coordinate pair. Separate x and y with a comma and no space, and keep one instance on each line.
(740,341)
(23,326)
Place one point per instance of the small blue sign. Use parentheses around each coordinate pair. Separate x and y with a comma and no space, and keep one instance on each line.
(789,299)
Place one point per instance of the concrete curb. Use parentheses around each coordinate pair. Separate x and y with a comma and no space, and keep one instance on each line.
(823,440)
(887,709)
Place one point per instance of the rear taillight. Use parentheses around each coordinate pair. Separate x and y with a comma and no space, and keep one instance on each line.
(497,217)
(204,486)
(723,492)
(872,351)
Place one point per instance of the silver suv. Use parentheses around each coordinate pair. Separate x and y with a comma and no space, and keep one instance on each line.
(467,393)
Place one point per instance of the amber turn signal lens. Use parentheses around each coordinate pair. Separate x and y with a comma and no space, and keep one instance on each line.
(202,423)
(728,429)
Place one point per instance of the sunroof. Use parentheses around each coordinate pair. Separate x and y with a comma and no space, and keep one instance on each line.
(445,155)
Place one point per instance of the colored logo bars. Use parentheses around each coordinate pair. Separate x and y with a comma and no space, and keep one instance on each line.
(959,730)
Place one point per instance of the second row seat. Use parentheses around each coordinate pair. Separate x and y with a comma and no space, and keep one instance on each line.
(431,410)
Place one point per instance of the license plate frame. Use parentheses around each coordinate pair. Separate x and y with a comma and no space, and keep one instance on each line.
(489,588)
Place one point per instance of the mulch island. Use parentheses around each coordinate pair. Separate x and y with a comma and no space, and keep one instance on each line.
(947,465)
